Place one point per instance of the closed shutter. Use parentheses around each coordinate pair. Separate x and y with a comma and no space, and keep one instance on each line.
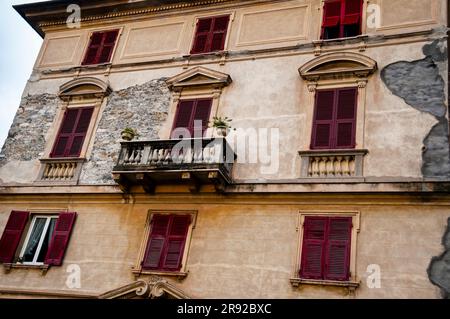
(323,120)
(210,34)
(352,12)
(183,119)
(313,248)
(202,113)
(338,249)
(176,242)
(331,14)
(156,242)
(346,118)
(101,47)
(11,235)
(60,239)
(72,134)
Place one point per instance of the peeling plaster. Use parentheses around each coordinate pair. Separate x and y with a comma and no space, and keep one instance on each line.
(439,269)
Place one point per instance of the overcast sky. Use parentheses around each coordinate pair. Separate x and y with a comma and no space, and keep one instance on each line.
(20,46)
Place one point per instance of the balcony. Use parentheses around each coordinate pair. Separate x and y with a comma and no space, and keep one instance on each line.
(193,162)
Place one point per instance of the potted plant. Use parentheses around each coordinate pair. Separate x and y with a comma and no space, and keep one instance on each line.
(222,125)
(128,134)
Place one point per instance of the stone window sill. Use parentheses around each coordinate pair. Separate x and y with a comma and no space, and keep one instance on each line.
(350,285)
(179,275)
(9,267)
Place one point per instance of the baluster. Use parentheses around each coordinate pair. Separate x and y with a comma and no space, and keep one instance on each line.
(346,166)
(323,166)
(352,168)
(330,166)
(48,167)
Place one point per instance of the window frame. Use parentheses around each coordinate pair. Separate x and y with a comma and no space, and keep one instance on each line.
(138,269)
(356,220)
(88,42)
(362,25)
(25,242)
(231,16)
(191,127)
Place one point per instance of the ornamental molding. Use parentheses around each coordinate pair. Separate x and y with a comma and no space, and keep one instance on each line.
(84,87)
(199,76)
(338,65)
(153,288)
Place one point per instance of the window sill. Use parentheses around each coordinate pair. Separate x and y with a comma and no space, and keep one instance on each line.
(206,55)
(350,285)
(141,272)
(9,267)
(361,37)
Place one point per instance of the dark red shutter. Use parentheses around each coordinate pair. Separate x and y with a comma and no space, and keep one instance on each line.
(323,120)
(338,249)
(72,134)
(210,34)
(60,239)
(353,12)
(101,47)
(156,242)
(313,248)
(183,118)
(11,235)
(346,118)
(202,113)
(331,14)
(219,33)
(176,242)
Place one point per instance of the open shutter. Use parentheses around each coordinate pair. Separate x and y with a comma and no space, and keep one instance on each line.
(176,242)
(101,47)
(109,43)
(183,118)
(64,137)
(331,14)
(219,33)
(156,242)
(338,249)
(323,120)
(94,47)
(346,118)
(353,12)
(313,248)
(201,113)
(79,134)
(202,35)
(60,239)
(11,235)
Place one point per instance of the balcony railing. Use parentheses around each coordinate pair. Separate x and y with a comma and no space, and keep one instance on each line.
(335,164)
(60,171)
(189,161)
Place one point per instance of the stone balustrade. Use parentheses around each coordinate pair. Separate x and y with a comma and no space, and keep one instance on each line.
(65,171)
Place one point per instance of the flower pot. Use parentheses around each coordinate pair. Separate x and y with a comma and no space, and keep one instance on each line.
(127,136)
(222,131)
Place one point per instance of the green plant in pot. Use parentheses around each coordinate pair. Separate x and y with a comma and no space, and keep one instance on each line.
(128,134)
(222,125)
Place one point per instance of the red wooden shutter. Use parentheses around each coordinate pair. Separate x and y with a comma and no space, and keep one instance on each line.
(345,130)
(101,47)
(323,120)
(338,249)
(176,242)
(156,242)
(60,239)
(352,12)
(11,235)
(72,132)
(331,14)
(313,248)
(202,35)
(183,118)
(202,113)
(219,33)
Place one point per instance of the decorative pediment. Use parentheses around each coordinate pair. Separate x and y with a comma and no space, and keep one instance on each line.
(84,87)
(340,64)
(199,76)
(154,288)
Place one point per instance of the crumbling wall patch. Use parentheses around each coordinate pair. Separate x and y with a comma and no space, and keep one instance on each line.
(439,269)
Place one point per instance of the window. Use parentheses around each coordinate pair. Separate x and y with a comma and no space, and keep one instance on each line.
(326,248)
(44,243)
(166,243)
(72,133)
(210,34)
(101,47)
(342,18)
(334,125)
(189,115)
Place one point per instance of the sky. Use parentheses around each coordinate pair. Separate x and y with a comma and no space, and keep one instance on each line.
(20,46)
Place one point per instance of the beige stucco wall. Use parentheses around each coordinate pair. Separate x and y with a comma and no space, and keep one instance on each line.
(242,247)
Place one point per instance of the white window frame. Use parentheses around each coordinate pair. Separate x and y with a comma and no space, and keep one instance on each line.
(41,241)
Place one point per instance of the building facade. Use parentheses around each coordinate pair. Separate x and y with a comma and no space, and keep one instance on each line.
(333,181)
